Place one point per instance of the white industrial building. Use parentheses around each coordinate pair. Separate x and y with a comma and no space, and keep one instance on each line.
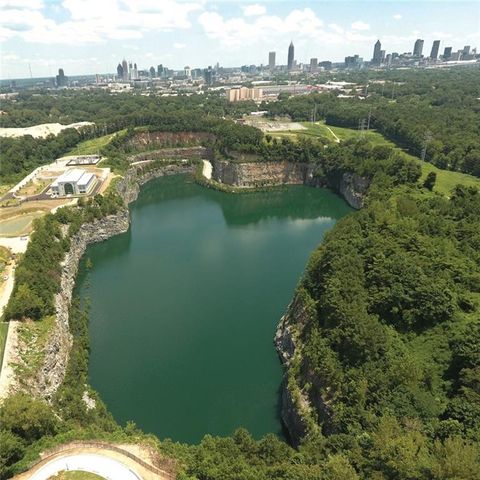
(74,182)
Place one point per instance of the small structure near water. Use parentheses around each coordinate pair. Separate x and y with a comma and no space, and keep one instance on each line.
(74,182)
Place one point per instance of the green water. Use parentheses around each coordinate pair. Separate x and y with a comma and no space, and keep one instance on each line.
(184,306)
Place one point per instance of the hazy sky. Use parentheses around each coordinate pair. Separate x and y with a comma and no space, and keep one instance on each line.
(92,36)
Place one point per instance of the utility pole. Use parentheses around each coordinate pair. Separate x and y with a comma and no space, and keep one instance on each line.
(361,127)
(369,117)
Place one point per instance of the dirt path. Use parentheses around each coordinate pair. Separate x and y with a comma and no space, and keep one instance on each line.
(7,374)
(337,140)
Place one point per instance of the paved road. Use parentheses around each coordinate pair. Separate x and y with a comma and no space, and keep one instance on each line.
(106,467)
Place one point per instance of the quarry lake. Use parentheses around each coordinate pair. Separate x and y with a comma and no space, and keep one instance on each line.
(184,306)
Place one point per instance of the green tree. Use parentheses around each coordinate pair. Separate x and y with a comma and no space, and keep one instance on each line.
(28,418)
(429,182)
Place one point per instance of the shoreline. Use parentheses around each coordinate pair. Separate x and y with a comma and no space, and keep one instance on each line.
(49,376)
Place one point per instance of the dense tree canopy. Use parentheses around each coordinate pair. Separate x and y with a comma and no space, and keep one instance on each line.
(438,112)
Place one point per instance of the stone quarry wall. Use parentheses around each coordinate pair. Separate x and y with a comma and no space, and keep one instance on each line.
(52,372)
(172,153)
(162,139)
(259,174)
(351,186)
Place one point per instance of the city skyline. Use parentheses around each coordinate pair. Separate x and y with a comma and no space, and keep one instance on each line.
(69,33)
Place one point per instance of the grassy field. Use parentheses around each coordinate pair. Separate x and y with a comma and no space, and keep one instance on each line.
(446,180)
(91,147)
(75,475)
(3,339)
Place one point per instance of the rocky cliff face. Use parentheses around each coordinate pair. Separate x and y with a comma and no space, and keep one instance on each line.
(259,174)
(353,188)
(296,411)
(52,372)
(350,186)
(129,187)
(197,153)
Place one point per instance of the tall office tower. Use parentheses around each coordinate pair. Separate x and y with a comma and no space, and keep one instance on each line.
(447,53)
(61,78)
(291,56)
(313,64)
(382,56)
(188,71)
(160,70)
(418,48)
(377,53)
(125,70)
(135,72)
(208,74)
(119,72)
(271,60)
(353,62)
(152,71)
(466,50)
(435,48)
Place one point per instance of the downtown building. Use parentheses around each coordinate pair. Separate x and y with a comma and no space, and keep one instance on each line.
(244,93)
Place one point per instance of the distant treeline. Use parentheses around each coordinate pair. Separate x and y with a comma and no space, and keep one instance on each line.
(435,111)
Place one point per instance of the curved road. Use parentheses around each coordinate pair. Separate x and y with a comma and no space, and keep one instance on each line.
(106,467)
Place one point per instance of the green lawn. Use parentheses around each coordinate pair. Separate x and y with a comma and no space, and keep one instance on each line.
(3,339)
(91,147)
(446,180)
(75,475)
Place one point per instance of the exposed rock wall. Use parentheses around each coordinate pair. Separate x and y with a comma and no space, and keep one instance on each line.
(162,139)
(351,186)
(296,411)
(129,187)
(52,372)
(259,174)
(353,189)
(172,153)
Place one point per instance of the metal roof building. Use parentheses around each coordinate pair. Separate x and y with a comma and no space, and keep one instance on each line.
(74,182)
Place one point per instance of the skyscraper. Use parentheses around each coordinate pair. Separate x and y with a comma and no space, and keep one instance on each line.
(466,50)
(152,72)
(271,60)
(291,56)
(125,70)
(377,53)
(209,75)
(119,72)
(447,53)
(313,64)
(418,48)
(61,78)
(435,48)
